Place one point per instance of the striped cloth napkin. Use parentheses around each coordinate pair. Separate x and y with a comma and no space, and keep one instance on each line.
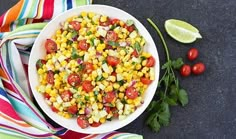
(19,116)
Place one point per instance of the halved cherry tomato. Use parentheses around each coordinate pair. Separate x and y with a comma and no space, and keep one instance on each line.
(82,121)
(95,124)
(46,96)
(130,28)
(51,46)
(192,54)
(54,109)
(73,79)
(66,95)
(113,61)
(40,63)
(131,92)
(135,53)
(111,36)
(198,68)
(115,111)
(150,62)
(106,23)
(87,86)
(83,45)
(50,77)
(185,70)
(109,97)
(75,25)
(146,81)
(114,73)
(88,67)
(115,21)
(107,109)
(73,109)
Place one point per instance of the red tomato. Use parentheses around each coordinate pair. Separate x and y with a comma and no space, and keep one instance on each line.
(82,121)
(50,46)
(46,96)
(115,21)
(75,25)
(87,86)
(113,61)
(109,97)
(192,54)
(72,109)
(114,73)
(95,124)
(111,36)
(66,95)
(54,109)
(131,92)
(108,109)
(106,23)
(82,45)
(88,67)
(50,77)
(185,70)
(135,53)
(198,68)
(40,63)
(150,62)
(146,81)
(130,28)
(73,79)
(115,112)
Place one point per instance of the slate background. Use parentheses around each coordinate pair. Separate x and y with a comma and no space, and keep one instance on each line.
(211,112)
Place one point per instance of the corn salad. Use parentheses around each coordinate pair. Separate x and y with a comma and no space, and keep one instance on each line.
(95,69)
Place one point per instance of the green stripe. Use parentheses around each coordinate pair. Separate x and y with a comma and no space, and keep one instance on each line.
(8,136)
(33,9)
(81,2)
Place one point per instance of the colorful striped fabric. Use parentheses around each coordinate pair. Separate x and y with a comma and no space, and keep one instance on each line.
(19,117)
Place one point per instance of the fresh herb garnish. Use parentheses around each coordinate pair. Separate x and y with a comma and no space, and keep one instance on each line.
(74,54)
(99,78)
(169,92)
(89,33)
(112,43)
(121,82)
(137,47)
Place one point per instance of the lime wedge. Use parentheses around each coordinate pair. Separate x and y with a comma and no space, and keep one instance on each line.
(182,31)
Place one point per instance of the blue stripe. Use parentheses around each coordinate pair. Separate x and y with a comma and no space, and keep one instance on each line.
(69,4)
(8,64)
(23,9)
(3,93)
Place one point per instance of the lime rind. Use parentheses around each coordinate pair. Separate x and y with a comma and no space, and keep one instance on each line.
(182,31)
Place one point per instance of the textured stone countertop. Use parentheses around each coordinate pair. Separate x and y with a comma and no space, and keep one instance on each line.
(211,112)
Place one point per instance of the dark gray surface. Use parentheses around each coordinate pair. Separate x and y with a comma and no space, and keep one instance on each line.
(211,112)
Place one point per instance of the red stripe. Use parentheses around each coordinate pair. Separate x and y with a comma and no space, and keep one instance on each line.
(8,86)
(71,134)
(26,73)
(48,8)
(1,19)
(7,109)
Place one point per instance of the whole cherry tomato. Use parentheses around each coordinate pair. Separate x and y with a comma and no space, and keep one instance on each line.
(198,68)
(185,70)
(192,54)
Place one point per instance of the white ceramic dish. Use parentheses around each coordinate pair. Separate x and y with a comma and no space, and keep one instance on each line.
(38,52)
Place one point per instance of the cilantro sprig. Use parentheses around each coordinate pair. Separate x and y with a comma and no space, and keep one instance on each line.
(169,93)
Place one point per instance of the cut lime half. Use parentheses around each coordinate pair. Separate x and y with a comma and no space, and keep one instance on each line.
(182,31)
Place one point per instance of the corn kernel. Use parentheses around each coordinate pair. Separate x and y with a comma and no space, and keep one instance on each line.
(112,78)
(140,74)
(119,70)
(116,85)
(102,120)
(145,54)
(81,53)
(120,36)
(103,18)
(121,95)
(122,23)
(122,89)
(144,62)
(122,52)
(83,14)
(81,111)
(90,120)
(91,14)
(52,99)
(138,67)
(129,101)
(40,71)
(99,97)
(105,75)
(100,106)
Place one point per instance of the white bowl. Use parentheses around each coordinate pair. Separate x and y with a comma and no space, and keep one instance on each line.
(38,52)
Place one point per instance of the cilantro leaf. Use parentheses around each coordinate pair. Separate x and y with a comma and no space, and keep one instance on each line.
(137,47)
(183,97)
(112,43)
(176,64)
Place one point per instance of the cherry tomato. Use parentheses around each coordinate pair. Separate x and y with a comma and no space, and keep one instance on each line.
(50,46)
(198,68)
(73,79)
(40,63)
(185,70)
(54,109)
(83,45)
(108,109)
(146,81)
(75,25)
(135,53)
(131,92)
(95,124)
(109,97)
(113,61)
(66,95)
(50,77)
(72,109)
(82,121)
(115,21)
(114,73)
(106,23)
(150,62)
(111,36)
(192,54)
(115,111)
(46,96)
(87,86)
(130,28)
(88,67)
